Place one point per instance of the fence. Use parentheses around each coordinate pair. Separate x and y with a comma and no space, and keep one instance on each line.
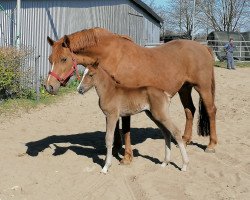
(28,65)
(241,52)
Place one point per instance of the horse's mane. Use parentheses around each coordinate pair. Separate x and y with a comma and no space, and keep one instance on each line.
(126,37)
(90,37)
(86,38)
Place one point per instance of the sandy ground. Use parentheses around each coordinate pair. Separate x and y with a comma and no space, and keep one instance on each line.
(56,152)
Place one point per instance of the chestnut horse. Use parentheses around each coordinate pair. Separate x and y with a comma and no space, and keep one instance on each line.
(117,101)
(177,66)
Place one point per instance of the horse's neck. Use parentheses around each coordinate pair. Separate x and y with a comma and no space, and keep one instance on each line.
(104,85)
(106,46)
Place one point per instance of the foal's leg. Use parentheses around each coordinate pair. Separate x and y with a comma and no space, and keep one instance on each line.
(167,137)
(111,121)
(176,133)
(128,155)
(160,112)
(187,102)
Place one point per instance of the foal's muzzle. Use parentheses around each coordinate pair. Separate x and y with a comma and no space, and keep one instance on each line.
(80,89)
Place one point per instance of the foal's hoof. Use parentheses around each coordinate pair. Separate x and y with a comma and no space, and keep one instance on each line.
(208,150)
(164,164)
(184,168)
(104,170)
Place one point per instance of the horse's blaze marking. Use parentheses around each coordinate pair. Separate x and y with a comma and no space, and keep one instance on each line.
(52,71)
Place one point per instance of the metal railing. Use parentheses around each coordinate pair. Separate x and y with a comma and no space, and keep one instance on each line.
(241,51)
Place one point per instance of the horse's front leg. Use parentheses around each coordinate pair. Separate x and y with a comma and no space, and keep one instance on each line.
(128,155)
(111,121)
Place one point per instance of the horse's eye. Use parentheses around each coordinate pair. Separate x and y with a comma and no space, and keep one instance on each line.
(91,75)
(64,60)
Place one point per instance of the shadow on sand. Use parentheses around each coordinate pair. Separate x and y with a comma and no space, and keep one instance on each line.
(92,144)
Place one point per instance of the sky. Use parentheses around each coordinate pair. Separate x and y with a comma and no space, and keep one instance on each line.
(160,2)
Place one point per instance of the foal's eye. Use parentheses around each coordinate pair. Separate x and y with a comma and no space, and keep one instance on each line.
(91,75)
(64,60)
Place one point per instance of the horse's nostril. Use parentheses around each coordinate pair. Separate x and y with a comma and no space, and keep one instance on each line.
(51,88)
(48,88)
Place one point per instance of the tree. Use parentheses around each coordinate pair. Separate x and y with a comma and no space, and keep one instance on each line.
(225,15)
(218,15)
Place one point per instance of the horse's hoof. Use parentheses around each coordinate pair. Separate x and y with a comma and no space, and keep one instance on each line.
(126,161)
(208,150)
(186,141)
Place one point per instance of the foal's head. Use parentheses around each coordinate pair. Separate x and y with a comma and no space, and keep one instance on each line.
(63,64)
(88,80)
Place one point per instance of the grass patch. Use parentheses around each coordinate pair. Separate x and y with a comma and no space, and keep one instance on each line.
(237,64)
(13,107)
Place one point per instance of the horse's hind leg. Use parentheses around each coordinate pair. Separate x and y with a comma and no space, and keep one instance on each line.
(207,97)
(128,154)
(167,137)
(187,102)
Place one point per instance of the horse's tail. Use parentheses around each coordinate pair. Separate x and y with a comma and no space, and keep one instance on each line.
(210,51)
(203,122)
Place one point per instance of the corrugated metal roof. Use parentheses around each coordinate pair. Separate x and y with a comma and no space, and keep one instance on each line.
(148,10)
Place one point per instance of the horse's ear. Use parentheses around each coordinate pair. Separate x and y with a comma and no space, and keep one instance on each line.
(66,42)
(50,41)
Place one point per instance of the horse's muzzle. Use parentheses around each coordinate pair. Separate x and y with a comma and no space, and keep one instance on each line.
(49,89)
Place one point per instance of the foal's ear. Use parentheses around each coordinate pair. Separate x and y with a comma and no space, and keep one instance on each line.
(95,64)
(66,42)
(50,41)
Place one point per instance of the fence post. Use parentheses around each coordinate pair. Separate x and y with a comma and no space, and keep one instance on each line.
(240,50)
(18,23)
(37,78)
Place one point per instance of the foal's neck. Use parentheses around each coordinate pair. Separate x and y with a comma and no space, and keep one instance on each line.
(104,84)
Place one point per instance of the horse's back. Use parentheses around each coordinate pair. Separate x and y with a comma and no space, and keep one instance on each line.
(166,67)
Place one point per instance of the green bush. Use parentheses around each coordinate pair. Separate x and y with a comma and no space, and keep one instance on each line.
(11,74)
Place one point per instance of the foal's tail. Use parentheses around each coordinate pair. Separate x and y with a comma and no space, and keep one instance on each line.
(203,122)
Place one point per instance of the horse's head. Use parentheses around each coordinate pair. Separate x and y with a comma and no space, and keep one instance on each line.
(63,64)
(88,79)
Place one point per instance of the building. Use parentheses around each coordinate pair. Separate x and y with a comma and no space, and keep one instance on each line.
(55,18)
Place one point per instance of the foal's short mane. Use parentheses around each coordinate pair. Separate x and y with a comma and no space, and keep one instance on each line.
(116,82)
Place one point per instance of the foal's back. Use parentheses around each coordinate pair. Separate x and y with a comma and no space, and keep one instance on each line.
(129,101)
